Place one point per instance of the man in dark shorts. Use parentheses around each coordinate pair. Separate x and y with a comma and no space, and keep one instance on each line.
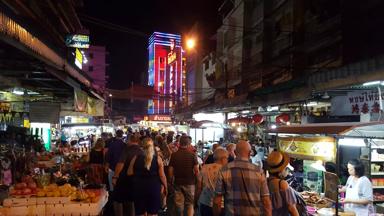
(183,170)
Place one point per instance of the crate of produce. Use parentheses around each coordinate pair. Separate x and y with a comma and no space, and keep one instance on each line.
(14,201)
(32,210)
(78,208)
(52,200)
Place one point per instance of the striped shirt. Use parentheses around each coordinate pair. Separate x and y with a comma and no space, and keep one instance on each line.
(183,162)
(242,184)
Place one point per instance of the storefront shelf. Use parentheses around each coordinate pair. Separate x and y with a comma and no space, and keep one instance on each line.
(377,173)
(378,187)
(378,201)
(377,161)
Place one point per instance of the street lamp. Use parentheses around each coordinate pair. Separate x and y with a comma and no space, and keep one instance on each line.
(110,96)
(191,43)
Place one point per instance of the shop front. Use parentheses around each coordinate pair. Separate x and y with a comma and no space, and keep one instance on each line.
(320,153)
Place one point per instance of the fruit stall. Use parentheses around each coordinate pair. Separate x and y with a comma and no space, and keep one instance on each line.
(46,183)
(27,198)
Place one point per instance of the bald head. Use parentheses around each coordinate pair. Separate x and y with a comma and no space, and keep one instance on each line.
(243,149)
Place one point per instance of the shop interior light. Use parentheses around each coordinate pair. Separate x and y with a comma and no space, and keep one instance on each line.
(358,142)
(245,111)
(377,82)
(288,123)
(273,108)
(233,124)
(273,126)
(312,103)
(239,129)
(18,92)
(325,96)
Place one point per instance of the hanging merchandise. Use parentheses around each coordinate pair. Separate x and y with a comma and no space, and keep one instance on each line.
(240,120)
(6,173)
(258,119)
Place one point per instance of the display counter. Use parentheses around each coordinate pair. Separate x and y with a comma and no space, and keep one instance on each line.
(54,206)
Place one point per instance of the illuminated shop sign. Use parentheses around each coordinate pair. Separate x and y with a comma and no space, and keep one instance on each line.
(78,59)
(171,57)
(77,41)
(163,118)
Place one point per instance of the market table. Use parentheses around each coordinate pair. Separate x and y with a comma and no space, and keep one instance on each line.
(53,206)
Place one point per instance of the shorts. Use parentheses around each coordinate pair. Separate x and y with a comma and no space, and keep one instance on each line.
(184,195)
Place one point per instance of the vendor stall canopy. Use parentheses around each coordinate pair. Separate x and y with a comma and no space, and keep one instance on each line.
(209,124)
(347,129)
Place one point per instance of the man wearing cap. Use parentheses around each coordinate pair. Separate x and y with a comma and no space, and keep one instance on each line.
(243,186)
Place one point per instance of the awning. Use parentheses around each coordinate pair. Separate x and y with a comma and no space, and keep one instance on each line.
(208,124)
(371,129)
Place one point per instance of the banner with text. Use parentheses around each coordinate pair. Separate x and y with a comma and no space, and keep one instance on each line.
(357,102)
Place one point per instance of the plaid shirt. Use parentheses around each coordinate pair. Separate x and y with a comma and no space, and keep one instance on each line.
(242,184)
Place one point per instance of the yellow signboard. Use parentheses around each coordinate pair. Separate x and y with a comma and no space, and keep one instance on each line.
(78,58)
(311,148)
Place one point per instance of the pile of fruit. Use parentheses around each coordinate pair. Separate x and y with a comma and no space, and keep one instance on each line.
(67,190)
(24,189)
(89,196)
(53,190)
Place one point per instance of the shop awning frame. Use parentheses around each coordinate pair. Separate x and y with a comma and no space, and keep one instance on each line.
(345,129)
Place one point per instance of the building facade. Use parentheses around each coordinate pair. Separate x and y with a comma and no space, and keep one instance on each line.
(166,72)
(96,65)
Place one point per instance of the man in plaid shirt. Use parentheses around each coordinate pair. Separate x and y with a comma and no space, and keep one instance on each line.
(243,186)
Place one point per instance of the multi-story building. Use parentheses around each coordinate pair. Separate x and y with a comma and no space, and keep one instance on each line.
(166,72)
(208,76)
(96,65)
(229,48)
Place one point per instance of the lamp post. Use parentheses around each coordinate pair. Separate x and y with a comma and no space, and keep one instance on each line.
(110,96)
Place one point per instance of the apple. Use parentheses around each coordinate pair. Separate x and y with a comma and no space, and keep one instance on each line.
(26,191)
(18,192)
(20,186)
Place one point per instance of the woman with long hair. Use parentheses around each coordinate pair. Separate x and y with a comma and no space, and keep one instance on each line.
(150,180)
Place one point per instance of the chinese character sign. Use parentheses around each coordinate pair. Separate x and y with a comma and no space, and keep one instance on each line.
(365,101)
(358,102)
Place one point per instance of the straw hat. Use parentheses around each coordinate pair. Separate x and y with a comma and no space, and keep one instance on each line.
(277,161)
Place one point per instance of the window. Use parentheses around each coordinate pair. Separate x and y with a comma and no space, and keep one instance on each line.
(90,55)
(90,69)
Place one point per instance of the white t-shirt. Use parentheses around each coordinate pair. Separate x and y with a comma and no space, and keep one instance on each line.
(357,190)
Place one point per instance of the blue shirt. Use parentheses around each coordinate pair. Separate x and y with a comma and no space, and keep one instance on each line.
(115,149)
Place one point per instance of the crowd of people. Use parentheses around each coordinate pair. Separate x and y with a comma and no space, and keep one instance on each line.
(150,173)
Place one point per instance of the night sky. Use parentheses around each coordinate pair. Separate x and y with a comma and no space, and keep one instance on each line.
(128,52)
